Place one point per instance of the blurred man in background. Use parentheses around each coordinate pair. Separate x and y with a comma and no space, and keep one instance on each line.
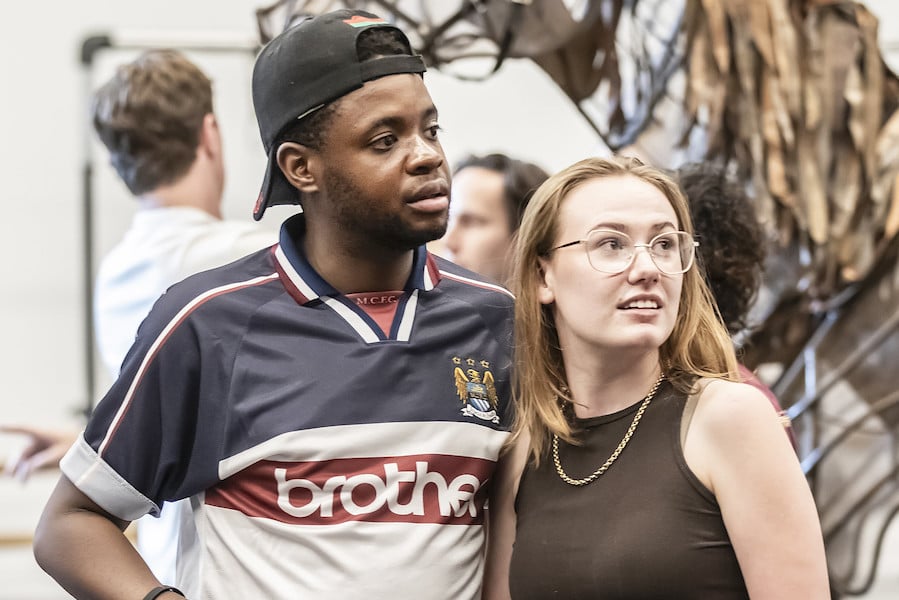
(155,117)
(490,193)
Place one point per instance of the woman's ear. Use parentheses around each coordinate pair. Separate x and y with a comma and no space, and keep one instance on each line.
(295,161)
(545,292)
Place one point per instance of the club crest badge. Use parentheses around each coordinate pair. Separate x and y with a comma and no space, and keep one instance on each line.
(476,388)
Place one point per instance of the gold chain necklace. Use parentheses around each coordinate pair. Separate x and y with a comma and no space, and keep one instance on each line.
(627,436)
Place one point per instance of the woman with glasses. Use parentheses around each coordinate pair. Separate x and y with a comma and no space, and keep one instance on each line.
(640,467)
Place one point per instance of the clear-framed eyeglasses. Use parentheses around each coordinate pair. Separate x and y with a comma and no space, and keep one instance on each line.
(610,251)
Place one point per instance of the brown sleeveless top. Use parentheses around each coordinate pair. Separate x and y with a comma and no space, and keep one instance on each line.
(646,528)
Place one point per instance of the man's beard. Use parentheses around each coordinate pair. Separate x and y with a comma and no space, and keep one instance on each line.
(362,220)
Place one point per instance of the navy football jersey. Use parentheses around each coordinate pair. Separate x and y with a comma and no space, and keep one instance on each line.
(325,455)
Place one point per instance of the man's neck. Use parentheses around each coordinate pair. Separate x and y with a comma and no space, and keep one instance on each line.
(351,273)
(187,192)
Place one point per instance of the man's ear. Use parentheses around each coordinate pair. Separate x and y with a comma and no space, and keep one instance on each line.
(296,161)
(210,137)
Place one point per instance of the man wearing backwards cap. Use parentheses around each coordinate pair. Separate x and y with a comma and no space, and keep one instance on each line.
(333,407)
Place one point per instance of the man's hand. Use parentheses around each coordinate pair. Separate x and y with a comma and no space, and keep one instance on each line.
(44,450)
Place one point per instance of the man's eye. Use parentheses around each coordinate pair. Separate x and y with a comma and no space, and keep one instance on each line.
(434,129)
(384,142)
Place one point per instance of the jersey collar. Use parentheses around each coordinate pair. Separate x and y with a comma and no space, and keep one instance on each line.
(306,285)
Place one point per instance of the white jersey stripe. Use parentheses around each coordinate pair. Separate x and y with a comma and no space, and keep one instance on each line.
(355,321)
(360,441)
(429,283)
(477,283)
(294,277)
(353,561)
(405,328)
(161,339)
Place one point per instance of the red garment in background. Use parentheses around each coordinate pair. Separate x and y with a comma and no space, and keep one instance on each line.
(753,380)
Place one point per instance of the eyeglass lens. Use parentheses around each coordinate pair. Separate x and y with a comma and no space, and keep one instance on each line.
(613,251)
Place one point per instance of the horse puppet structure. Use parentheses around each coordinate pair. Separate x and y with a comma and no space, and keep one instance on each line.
(794,97)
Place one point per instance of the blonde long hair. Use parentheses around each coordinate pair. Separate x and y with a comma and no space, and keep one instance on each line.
(699,345)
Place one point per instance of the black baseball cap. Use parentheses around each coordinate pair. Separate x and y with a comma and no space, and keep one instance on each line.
(306,67)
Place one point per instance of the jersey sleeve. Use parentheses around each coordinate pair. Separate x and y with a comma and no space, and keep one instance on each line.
(498,313)
(138,446)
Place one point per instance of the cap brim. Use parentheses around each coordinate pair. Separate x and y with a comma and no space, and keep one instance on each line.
(275,187)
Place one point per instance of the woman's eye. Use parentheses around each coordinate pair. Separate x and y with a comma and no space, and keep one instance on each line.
(609,244)
(665,244)
(434,129)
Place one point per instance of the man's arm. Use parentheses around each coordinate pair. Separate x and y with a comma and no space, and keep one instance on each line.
(85,550)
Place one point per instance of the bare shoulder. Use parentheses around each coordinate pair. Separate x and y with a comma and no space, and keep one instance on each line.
(734,426)
(731,408)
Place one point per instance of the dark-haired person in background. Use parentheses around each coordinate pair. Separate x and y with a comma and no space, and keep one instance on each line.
(732,250)
(490,193)
(333,406)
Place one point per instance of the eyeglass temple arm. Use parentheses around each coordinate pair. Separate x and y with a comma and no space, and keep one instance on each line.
(574,243)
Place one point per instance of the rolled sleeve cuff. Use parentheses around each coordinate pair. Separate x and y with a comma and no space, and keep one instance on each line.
(98,481)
